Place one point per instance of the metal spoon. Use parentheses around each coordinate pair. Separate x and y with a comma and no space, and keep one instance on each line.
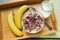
(32,10)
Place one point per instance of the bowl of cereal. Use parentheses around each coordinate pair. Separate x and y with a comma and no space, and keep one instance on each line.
(33,22)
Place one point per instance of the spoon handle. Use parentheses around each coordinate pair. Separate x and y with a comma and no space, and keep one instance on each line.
(47,25)
(32,10)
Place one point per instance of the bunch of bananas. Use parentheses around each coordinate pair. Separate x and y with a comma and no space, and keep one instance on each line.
(15,22)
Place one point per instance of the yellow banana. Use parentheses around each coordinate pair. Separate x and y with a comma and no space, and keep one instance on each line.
(13,27)
(19,14)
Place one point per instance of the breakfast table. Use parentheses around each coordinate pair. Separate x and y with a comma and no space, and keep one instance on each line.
(57,13)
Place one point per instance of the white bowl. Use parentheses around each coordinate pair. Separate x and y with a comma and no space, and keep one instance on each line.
(33,31)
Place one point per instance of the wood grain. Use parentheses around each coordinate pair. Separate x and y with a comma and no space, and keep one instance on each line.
(1,34)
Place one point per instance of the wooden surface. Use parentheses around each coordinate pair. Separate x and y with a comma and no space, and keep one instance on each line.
(8,35)
(14,3)
(1,35)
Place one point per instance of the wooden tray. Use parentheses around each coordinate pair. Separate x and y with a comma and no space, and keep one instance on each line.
(6,33)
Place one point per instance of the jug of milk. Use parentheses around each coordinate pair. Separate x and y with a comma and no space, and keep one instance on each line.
(46,8)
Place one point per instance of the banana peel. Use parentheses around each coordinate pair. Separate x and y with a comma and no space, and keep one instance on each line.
(12,26)
(19,14)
